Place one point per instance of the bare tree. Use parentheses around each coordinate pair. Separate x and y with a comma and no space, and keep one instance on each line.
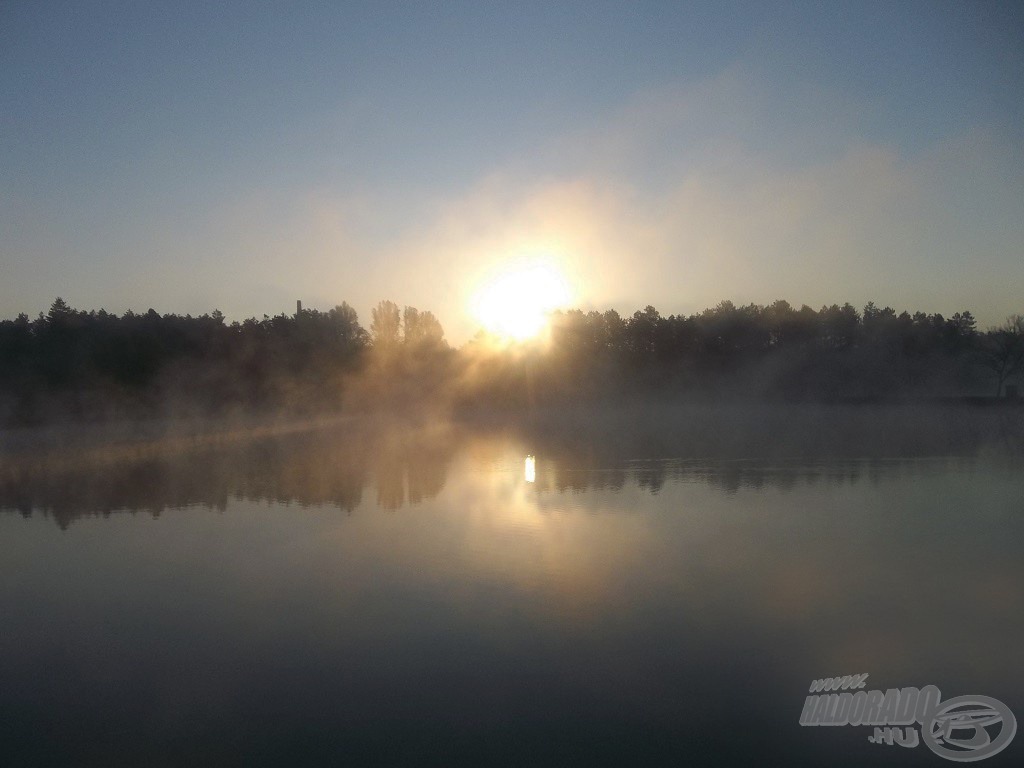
(1002,351)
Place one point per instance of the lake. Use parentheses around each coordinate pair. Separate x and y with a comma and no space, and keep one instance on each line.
(361,595)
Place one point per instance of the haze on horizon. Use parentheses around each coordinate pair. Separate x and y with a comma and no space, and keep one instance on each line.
(187,156)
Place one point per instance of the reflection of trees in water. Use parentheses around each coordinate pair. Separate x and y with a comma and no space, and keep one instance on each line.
(150,485)
(411,469)
(756,446)
(390,480)
(332,468)
(427,474)
(324,469)
(562,474)
(781,430)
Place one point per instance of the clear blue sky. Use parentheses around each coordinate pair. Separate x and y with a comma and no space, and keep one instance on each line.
(186,156)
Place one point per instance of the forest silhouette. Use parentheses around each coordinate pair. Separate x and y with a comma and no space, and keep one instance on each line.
(70,364)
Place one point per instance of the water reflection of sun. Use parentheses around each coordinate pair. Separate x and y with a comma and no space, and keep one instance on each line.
(530,469)
(514,304)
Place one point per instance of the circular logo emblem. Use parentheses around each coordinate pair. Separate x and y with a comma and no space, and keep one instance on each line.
(969,728)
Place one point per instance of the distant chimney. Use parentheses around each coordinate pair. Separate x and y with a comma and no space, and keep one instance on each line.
(298,307)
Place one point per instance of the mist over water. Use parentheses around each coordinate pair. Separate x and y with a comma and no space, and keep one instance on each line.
(656,594)
(513,384)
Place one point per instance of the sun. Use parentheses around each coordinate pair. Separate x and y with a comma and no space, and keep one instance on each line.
(515,303)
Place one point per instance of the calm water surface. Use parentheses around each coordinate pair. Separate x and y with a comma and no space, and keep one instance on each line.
(412,598)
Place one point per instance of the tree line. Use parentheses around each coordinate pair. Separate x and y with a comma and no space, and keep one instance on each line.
(778,350)
(78,364)
(70,363)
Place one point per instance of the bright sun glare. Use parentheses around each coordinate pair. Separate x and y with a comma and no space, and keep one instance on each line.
(515,303)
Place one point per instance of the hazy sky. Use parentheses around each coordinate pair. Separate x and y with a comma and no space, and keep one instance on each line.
(240,155)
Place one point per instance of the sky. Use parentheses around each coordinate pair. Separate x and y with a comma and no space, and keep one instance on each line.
(189,156)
